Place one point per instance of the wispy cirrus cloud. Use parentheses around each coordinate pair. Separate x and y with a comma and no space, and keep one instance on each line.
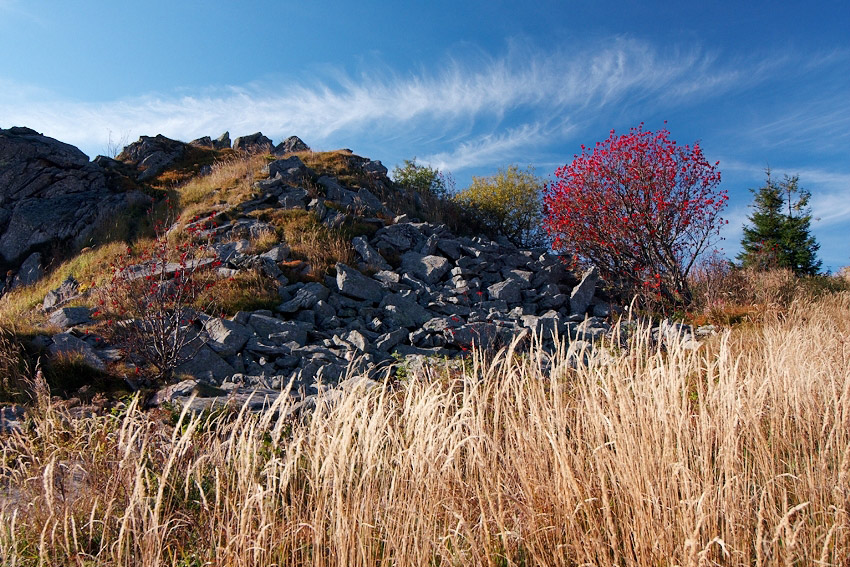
(825,123)
(489,147)
(465,103)
(830,190)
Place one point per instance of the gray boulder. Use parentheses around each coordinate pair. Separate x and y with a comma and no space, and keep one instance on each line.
(12,418)
(289,169)
(291,332)
(266,346)
(544,327)
(399,237)
(206,365)
(294,198)
(231,250)
(255,142)
(429,269)
(336,192)
(388,278)
(29,272)
(226,337)
(450,247)
(508,290)
(66,343)
(222,142)
(369,202)
(368,254)
(403,311)
(182,389)
(479,334)
(354,284)
(375,167)
(202,142)
(277,253)
(305,298)
(387,341)
(582,294)
(69,289)
(550,297)
(357,340)
(152,155)
(592,328)
(290,145)
(67,317)
(265,325)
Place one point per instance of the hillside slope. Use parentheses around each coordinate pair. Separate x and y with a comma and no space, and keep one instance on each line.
(320,260)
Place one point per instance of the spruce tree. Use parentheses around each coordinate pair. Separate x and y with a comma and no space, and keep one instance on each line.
(779,236)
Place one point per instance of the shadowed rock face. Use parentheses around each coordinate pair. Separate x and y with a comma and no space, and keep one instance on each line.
(49,192)
(152,155)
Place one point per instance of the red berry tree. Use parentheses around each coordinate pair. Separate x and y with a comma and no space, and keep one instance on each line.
(639,207)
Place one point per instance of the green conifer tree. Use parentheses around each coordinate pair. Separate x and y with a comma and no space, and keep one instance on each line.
(780,236)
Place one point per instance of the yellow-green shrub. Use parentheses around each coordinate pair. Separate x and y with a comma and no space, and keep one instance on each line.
(508,203)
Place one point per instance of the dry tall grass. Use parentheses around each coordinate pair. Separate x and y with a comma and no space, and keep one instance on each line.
(735,454)
(229,183)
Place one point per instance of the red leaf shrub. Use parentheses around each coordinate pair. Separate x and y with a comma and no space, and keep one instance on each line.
(639,207)
(153,297)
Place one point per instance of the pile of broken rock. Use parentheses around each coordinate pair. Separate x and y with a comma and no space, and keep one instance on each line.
(416,290)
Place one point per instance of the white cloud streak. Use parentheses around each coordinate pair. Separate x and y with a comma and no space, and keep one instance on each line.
(488,148)
(830,202)
(553,88)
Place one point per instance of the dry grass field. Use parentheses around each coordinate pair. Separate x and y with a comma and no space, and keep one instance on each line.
(737,453)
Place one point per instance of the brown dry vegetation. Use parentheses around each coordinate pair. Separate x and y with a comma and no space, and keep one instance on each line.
(727,295)
(229,183)
(734,454)
(309,240)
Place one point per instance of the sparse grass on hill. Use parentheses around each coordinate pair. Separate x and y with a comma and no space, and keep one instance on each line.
(91,268)
(247,290)
(340,164)
(229,183)
(733,454)
(309,240)
(727,295)
(14,367)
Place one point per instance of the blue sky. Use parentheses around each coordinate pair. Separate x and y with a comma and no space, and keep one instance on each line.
(467,87)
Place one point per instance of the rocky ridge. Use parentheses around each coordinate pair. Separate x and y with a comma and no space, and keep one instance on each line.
(416,291)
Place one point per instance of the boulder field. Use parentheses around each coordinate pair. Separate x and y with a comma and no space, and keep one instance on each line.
(415,290)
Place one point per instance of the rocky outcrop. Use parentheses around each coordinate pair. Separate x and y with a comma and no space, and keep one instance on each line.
(290,145)
(222,142)
(447,295)
(70,289)
(412,290)
(49,194)
(30,271)
(152,155)
(255,142)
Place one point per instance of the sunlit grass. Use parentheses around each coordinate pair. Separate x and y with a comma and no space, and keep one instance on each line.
(91,268)
(733,454)
(229,183)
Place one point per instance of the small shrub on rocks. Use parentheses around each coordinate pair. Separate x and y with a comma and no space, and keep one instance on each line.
(151,301)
